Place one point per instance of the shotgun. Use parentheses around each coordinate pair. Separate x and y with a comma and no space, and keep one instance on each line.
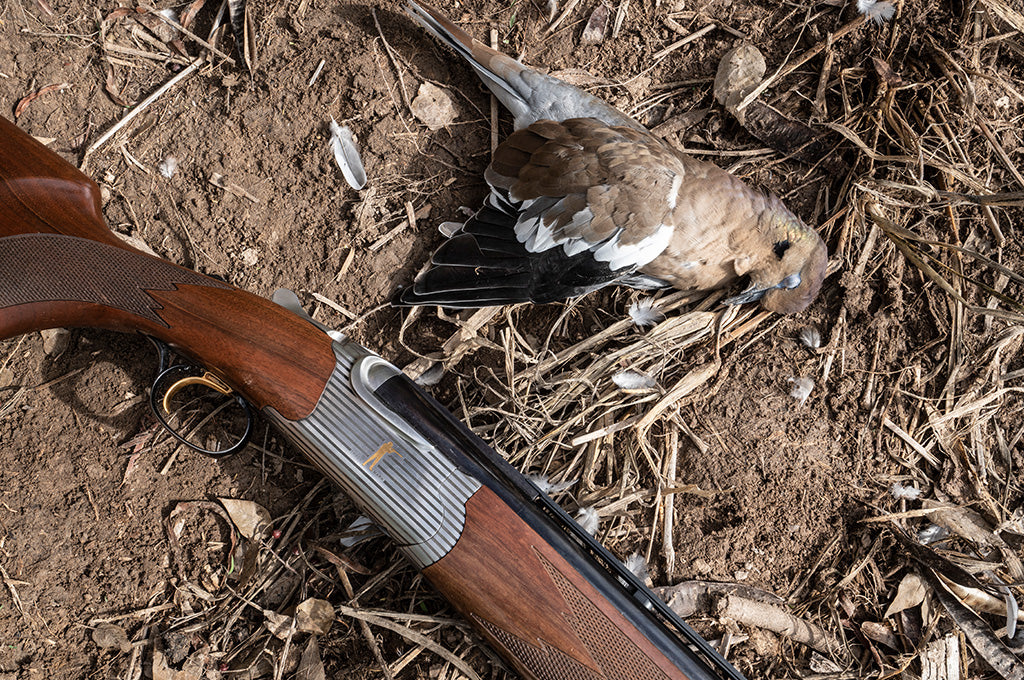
(547,596)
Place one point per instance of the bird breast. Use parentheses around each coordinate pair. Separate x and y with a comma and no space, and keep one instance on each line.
(716,237)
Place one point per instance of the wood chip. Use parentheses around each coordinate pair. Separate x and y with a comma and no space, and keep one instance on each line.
(218,180)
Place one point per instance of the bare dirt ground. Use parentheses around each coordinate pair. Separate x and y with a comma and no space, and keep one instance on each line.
(912,385)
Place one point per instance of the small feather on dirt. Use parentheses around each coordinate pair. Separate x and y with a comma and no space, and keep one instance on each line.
(346,155)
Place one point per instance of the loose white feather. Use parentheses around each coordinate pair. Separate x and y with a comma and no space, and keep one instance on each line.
(644,314)
(932,533)
(810,336)
(632,381)
(588,519)
(362,529)
(346,155)
(878,11)
(638,565)
(168,167)
(545,485)
(801,389)
(900,492)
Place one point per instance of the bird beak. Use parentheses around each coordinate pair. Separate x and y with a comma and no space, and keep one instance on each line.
(751,294)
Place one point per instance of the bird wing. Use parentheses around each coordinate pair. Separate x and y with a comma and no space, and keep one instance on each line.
(485,264)
(583,186)
(574,206)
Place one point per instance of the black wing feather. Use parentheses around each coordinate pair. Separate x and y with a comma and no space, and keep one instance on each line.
(486,265)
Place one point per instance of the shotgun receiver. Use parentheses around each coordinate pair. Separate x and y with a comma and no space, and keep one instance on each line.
(538,588)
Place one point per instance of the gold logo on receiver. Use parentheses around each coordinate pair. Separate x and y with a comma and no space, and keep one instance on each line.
(385,449)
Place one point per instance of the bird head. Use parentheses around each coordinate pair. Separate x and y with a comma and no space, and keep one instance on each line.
(787,280)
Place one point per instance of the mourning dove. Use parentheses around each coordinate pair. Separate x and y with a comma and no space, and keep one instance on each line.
(583,196)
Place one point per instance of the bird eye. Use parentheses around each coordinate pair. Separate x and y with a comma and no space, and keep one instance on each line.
(790,282)
(780,248)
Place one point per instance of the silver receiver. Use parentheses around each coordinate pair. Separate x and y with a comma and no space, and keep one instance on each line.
(396,477)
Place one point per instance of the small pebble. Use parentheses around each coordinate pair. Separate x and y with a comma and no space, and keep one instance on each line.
(55,341)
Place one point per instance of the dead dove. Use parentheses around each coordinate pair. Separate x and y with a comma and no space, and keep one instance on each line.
(583,196)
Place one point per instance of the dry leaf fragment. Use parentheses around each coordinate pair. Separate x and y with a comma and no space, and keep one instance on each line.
(910,594)
(346,155)
(596,26)
(279,625)
(28,99)
(163,28)
(110,87)
(245,35)
(891,78)
(881,633)
(739,72)
(160,670)
(117,14)
(311,666)
(311,616)
(970,525)
(314,616)
(249,517)
(433,107)
(981,601)
(189,15)
(109,636)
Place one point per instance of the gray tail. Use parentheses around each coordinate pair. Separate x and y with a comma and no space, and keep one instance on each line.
(442,28)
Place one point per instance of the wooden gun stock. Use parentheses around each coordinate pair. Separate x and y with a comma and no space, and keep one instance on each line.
(545,595)
(61,267)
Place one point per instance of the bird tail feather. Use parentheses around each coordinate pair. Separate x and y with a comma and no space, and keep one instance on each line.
(482,58)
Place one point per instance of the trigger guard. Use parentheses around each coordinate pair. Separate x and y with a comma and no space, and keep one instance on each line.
(176,373)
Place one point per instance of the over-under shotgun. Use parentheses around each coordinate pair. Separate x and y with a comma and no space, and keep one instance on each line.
(540,590)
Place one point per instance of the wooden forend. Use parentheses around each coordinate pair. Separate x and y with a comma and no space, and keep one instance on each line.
(534,607)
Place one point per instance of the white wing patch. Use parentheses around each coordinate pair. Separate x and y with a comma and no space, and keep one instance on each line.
(673,193)
(635,254)
(537,234)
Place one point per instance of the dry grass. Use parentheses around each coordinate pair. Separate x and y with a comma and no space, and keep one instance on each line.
(926,211)
(928,165)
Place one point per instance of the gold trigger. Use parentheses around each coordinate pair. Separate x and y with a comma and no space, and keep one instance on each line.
(206,379)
